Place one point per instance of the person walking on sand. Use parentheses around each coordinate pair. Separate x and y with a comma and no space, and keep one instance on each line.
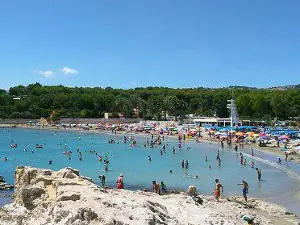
(286,156)
(218,188)
(258,173)
(245,189)
(120,182)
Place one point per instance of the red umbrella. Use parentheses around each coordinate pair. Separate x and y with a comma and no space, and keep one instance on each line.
(262,134)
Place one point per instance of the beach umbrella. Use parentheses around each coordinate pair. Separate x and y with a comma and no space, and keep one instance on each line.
(284,137)
(262,134)
(263,137)
(250,133)
(240,134)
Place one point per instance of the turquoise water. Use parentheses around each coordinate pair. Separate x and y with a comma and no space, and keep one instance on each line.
(279,184)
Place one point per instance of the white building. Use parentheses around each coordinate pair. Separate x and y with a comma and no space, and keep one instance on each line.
(213,121)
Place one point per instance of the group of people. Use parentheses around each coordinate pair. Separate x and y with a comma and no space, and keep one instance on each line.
(159,188)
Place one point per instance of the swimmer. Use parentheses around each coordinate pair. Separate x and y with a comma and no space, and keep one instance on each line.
(252,165)
(149,158)
(209,167)
(171,171)
(218,188)
(50,162)
(205,158)
(32,151)
(245,189)
(173,150)
(193,177)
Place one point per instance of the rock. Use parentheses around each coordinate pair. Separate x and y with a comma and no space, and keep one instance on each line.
(65,198)
(73,197)
(27,195)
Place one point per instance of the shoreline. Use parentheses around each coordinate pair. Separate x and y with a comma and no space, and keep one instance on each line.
(120,133)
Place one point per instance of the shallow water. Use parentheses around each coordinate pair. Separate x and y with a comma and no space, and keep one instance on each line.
(279,184)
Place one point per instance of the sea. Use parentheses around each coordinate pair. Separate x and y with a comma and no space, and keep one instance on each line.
(280,183)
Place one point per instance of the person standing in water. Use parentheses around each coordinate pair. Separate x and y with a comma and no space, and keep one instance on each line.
(286,156)
(258,174)
(120,182)
(218,155)
(102,179)
(182,164)
(186,164)
(220,162)
(245,189)
(218,188)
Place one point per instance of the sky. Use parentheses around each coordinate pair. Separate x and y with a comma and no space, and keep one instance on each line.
(138,43)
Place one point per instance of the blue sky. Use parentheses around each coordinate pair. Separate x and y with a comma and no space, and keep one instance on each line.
(130,43)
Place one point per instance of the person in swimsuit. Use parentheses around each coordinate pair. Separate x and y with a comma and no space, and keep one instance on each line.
(155,187)
(258,173)
(120,182)
(163,187)
(245,189)
(217,191)
(102,179)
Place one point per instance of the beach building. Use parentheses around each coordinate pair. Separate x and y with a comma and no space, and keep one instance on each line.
(212,121)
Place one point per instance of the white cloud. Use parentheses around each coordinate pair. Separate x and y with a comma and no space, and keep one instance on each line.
(46,73)
(69,71)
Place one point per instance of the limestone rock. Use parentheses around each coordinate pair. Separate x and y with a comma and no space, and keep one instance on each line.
(66,198)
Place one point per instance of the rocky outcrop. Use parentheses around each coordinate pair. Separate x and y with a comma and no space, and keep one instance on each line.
(64,198)
(4,185)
